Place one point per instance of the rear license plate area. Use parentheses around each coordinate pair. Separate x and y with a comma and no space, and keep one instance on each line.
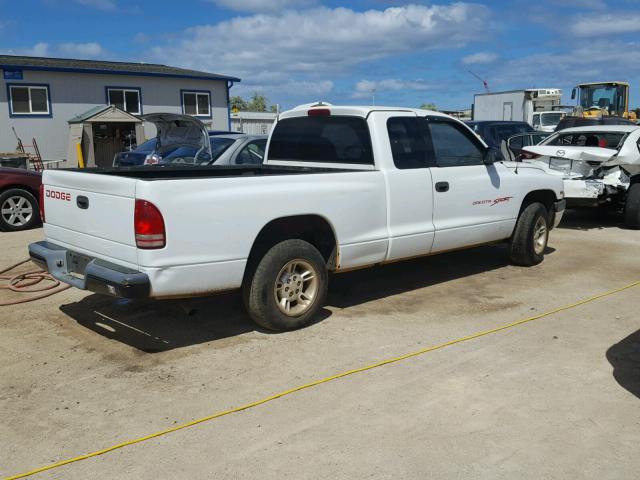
(77,264)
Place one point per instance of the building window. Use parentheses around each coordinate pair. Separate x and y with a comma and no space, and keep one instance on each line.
(127,99)
(196,103)
(29,100)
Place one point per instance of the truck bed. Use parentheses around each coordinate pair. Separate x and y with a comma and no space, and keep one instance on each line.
(150,173)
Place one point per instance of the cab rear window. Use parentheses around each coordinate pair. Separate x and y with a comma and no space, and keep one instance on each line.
(328,139)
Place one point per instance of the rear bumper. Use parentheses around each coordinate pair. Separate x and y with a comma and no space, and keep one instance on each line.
(88,273)
(559,206)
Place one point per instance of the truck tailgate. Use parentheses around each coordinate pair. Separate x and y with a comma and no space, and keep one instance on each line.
(91,213)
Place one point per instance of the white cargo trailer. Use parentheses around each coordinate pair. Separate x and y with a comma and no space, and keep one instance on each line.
(515,105)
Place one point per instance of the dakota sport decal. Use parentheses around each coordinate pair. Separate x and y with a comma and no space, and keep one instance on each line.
(493,202)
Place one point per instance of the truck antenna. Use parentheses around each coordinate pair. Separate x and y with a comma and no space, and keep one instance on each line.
(484,82)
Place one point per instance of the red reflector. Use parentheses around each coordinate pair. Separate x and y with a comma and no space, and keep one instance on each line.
(319,112)
(525,155)
(41,202)
(148,226)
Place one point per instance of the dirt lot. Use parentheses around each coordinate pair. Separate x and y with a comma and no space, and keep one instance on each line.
(555,398)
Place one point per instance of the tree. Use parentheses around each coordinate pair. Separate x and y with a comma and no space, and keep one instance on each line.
(429,106)
(258,103)
(238,102)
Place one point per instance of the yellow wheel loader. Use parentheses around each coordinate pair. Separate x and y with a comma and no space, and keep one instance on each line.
(600,99)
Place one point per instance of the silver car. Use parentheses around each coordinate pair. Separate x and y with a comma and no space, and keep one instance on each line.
(226,149)
(238,149)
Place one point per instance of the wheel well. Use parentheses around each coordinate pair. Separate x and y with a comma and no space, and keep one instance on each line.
(634,179)
(19,187)
(312,228)
(546,197)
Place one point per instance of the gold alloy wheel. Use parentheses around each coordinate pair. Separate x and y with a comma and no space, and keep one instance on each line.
(296,287)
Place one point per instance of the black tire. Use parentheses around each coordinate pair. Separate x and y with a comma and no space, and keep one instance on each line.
(524,250)
(28,204)
(632,207)
(259,289)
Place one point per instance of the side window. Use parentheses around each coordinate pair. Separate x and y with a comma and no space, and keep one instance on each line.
(408,145)
(452,146)
(253,153)
(518,142)
(536,120)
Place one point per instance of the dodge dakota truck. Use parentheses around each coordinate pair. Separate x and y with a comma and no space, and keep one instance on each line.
(342,188)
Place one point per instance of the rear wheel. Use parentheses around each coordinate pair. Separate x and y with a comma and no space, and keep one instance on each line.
(632,207)
(18,210)
(288,287)
(530,236)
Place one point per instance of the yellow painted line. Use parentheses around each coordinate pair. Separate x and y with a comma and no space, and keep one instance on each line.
(318,382)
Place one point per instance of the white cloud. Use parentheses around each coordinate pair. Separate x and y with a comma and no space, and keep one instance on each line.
(571,67)
(106,5)
(256,6)
(322,40)
(81,50)
(40,49)
(605,24)
(75,50)
(365,88)
(480,57)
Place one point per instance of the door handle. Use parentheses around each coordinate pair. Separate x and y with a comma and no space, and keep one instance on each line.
(442,186)
(82,202)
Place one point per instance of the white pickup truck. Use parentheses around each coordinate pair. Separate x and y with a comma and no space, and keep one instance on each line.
(342,188)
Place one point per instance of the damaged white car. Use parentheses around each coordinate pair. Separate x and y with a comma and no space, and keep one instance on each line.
(600,166)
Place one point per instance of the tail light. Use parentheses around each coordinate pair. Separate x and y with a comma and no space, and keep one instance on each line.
(41,202)
(152,159)
(148,225)
(525,155)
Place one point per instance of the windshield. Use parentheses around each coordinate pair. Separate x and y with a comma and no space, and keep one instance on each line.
(329,139)
(219,145)
(588,139)
(146,147)
(608,97)
(501,132)
(550,119)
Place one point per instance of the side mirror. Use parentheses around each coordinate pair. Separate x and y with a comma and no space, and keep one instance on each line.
(490,157)
(573,94)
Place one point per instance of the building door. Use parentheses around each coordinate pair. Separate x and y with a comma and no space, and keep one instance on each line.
(507,111)
(112,138)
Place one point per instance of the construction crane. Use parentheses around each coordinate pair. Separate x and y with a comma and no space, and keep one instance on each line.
(484,82)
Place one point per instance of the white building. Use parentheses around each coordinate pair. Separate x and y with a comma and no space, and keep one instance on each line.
(41,95)
(253,123)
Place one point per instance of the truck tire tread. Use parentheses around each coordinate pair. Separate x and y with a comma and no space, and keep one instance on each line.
(521,245)
(258,288)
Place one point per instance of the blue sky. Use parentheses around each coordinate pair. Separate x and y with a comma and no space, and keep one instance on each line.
(306,50)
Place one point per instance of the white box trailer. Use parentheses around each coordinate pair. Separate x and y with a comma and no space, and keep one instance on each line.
(515,105)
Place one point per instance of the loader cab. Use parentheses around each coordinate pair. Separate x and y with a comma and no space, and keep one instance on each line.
(602,99)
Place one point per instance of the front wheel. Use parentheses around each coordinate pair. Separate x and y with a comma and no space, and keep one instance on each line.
(288,287)
(530,236)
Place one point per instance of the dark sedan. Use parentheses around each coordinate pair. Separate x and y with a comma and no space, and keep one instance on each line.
(19,192)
